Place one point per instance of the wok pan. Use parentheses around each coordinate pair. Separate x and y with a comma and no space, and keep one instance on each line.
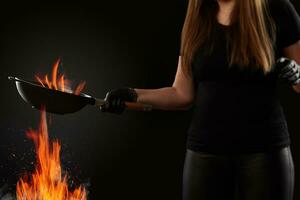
(59,102)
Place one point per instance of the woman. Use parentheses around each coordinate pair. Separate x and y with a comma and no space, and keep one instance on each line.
(232,54)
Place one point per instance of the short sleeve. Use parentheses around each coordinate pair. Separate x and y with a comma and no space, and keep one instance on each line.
(288,23)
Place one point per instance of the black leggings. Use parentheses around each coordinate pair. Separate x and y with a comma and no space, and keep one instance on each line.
(255,176)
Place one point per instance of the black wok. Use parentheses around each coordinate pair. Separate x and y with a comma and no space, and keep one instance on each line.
(59,102)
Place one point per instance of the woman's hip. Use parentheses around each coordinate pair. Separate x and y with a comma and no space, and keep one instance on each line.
(266,175)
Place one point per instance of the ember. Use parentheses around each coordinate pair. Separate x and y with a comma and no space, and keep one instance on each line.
(47,182)
(59,82)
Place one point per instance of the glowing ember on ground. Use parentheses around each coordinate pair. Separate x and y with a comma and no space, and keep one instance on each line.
(47,182)
(59,82)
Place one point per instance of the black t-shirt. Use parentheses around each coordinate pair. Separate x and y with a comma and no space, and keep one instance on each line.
(239,110)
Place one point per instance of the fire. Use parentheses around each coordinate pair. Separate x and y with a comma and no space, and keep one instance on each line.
(59,82)
(47,182)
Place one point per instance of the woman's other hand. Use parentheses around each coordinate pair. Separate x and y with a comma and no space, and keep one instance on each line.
(289,70)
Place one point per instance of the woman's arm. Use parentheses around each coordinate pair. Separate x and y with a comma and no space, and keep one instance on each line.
(293,52)
(179,96)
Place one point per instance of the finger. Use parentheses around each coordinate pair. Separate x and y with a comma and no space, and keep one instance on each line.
(289,74)
(114,103)
(289,67)
(290,80)
(294,78)
(118,106)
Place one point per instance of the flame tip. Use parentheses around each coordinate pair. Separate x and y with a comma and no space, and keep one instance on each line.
(59,81)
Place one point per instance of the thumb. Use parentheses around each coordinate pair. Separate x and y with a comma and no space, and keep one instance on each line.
(282,62)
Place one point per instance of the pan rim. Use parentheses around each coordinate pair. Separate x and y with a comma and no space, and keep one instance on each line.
(33,83)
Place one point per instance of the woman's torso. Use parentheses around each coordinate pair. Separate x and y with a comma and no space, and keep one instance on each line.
(235,109)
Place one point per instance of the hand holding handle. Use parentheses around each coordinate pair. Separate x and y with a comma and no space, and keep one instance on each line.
(117,100)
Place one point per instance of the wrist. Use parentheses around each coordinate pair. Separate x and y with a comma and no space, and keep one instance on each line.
(134,94)
(297,75)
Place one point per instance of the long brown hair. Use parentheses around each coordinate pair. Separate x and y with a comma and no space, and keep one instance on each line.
(249,37)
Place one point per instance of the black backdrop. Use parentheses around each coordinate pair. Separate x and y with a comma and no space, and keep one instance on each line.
(109,44)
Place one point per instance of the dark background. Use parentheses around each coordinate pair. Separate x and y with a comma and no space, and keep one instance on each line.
(109,44)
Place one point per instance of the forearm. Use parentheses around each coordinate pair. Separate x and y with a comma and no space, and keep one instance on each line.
(165,98)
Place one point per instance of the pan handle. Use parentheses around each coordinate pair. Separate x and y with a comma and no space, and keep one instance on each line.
(128,105)
(138,106)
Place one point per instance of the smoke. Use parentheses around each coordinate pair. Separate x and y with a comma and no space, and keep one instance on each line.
(6,194)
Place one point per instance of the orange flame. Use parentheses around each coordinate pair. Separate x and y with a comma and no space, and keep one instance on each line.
(59,82)
(47,182)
